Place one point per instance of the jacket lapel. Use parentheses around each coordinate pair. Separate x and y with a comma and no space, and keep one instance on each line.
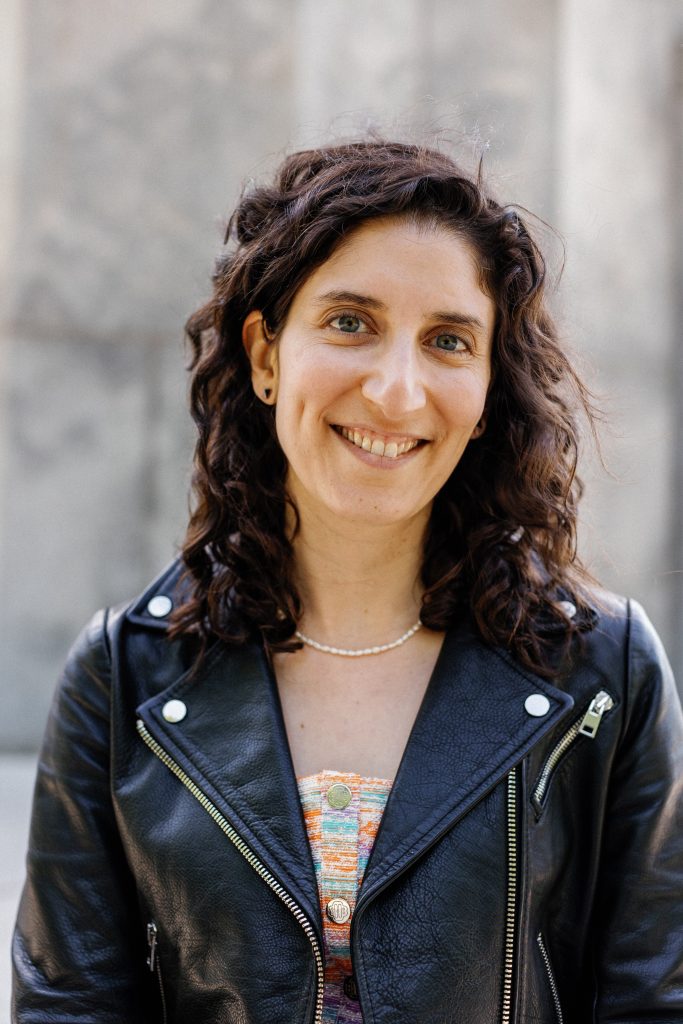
(232,744)
(471,729)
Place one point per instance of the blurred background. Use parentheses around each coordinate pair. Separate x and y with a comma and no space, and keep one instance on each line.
(126,132)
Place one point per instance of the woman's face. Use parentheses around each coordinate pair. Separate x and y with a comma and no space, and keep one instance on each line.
(381,372)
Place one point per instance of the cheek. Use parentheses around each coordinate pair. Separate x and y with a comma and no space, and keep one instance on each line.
(312,382)
(303,396)
(467,402)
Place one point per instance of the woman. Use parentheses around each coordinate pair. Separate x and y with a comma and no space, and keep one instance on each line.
(378,661)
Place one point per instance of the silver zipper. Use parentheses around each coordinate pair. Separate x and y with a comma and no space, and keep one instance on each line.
(551,977)
(152,935)
(248,855)
(587,725)
(154,965)
(511,909)
(590,723)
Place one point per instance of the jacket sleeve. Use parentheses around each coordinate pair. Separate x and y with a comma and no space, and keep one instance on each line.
(639,933)
(78,948)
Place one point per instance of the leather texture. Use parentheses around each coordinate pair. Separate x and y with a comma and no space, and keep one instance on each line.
(174,824)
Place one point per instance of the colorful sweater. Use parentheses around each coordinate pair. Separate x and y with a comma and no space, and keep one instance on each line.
(342,813)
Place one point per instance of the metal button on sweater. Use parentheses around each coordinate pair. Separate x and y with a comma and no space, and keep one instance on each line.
(339,796)
(338,910)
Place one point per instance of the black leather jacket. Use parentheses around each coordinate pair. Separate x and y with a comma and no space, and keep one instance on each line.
(528,868)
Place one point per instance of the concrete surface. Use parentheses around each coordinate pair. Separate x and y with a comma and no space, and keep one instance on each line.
(129,129)
(16,787)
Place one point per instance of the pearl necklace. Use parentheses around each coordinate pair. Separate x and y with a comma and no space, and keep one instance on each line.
(344,652)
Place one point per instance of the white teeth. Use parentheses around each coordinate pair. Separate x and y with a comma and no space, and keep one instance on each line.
(390,450)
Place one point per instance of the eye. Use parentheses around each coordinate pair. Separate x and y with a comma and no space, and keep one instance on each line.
(348,323)
(450,343)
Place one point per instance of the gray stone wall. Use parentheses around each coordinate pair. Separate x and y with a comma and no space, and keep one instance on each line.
(129,129)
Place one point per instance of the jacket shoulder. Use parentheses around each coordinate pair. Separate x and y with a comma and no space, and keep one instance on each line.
(628,653)
(622,624)
(614,620)
(87,672)
(84,686)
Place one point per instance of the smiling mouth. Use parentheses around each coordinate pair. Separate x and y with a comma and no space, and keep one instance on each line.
(375,446)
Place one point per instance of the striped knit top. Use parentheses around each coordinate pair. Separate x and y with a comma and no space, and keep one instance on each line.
(342,812)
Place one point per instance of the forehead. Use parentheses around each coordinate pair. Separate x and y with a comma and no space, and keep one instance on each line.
(405,262)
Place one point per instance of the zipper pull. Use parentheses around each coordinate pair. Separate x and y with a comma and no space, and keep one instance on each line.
(590,722)
(152,934)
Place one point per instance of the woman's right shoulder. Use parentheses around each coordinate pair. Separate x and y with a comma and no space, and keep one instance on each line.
(124,635)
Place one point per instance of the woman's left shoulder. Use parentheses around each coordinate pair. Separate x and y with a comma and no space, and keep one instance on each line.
(624,647)
(638,756)
(621,628)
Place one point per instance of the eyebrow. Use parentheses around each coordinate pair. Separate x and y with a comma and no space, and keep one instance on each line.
(458,320)
(352,297)
(356,299)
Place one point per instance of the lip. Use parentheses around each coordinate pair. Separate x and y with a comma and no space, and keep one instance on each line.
(380,461)
(376,435)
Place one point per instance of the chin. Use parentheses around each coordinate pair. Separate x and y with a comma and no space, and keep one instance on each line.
(379,513)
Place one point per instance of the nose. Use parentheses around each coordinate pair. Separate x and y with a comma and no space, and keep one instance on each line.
(394,382)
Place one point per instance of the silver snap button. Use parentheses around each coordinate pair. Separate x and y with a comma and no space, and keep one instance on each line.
(339,796)
(159,606)
(568,607)
(338,910)
(174,710)
(537,704)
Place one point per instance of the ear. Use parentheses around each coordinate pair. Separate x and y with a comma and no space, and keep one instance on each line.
(480,427)
(262,355)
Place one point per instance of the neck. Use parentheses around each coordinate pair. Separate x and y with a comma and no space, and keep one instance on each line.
(359,583)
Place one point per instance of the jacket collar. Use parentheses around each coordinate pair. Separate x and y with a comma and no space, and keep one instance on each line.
(471,729)
(232,744)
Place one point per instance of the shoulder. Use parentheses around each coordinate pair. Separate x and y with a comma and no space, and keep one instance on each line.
(622,630)
(624,648)
(133,632)
(618,629)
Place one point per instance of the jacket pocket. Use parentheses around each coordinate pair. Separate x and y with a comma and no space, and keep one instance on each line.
(550,978)
(586,725)
(154,964)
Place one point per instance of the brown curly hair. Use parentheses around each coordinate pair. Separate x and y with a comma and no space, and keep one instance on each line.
(500,545)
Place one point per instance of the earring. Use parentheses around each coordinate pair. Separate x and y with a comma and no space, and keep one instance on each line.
(267,392)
